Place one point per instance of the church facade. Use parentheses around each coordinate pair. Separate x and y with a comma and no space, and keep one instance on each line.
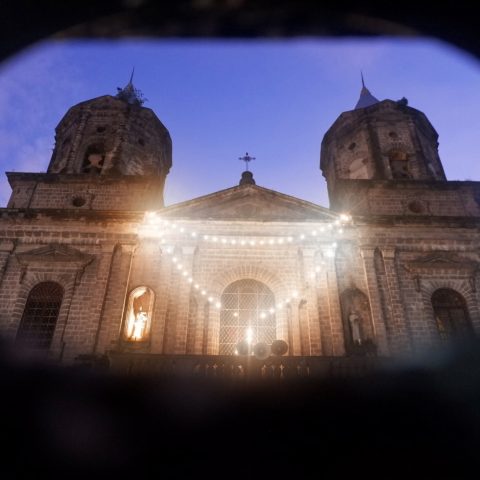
(93,264)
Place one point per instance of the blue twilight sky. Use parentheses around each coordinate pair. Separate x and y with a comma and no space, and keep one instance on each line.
(274,99)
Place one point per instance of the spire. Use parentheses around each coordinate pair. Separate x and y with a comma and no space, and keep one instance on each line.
(130,94)
(366,98)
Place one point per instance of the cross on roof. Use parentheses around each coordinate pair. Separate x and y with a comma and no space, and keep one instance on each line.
(247,159)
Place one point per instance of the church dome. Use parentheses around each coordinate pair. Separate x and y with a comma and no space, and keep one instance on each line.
(112,135)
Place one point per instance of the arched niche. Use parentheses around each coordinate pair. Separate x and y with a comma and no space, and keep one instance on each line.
(138,317)
(357,323)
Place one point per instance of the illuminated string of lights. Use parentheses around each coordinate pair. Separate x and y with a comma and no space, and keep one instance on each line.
(155,226)
(213,299)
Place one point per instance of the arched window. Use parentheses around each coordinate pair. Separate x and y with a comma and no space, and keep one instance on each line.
(399,164)
(94,159)
(451,314)
(247,314)
(40,316)
(139,315)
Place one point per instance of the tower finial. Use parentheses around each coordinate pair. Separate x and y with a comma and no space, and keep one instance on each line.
(366,98)
(130,94)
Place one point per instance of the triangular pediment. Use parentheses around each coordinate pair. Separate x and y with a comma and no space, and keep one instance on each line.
(249,202)
(54,253)
(441,261)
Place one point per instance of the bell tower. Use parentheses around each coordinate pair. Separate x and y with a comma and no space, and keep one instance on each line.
(378,141)
(111,153)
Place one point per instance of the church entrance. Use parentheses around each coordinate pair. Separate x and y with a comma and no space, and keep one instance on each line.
(247,315)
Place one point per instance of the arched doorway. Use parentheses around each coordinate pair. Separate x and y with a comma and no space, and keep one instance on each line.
(451,314)
(247,314)
(40,316)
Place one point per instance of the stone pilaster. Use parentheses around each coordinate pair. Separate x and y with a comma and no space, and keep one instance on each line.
(314,347)
(6,248)
(183,292)
(402,341)
(334,311)
(378,315)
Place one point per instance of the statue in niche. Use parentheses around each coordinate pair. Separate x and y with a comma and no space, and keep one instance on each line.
(359,333)
(138,316)
(355,326)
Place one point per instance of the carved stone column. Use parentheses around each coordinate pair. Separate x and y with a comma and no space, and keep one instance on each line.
(378,315)
(402,341)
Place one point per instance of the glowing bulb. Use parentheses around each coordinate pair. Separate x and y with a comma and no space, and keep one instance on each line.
(174,259)
(242,242)
(302,237)
(340,230)
(179,266)
(233,242)
(169,250)
(182,229)
(235,314)
(280,241)
(210,299)
(218,305)
(312,275)
(249,335)
(205,237)
(184,273)
(290,239)
(190,280)
(314,233)
(322,229)
(295,294)
(317,269)
(280,304)
(263,315)
(223,240)
(271,310)
(196,286)
(203,292)
(174,226)
(215,239)
(262,242)
(194,234)
(252,242)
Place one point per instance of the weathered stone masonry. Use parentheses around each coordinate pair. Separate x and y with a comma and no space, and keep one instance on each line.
(412,233)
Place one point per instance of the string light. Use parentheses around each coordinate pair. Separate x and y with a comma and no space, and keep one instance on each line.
(154,226)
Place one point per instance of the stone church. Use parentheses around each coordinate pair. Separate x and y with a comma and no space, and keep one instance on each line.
(94,265)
